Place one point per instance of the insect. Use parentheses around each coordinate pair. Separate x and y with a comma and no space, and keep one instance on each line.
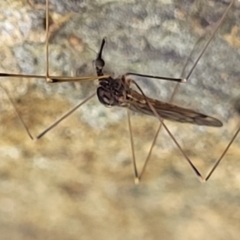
(120,92)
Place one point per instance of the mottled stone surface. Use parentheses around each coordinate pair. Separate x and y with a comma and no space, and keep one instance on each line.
(77,181)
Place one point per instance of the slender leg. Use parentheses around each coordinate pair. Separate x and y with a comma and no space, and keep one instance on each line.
(174,93)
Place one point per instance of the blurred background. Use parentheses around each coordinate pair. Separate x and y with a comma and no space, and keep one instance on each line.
(77,181)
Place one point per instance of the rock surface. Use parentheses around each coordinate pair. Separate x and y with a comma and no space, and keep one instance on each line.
(77,181)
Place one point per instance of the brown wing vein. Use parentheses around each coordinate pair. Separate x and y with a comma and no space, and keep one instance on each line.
(137,103)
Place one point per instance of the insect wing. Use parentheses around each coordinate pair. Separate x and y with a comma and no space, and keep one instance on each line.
(169,111)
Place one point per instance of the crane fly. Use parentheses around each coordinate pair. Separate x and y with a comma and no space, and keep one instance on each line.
(125,92)
(118,92)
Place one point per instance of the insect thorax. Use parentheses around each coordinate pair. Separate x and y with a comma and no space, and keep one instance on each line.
(112,92)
